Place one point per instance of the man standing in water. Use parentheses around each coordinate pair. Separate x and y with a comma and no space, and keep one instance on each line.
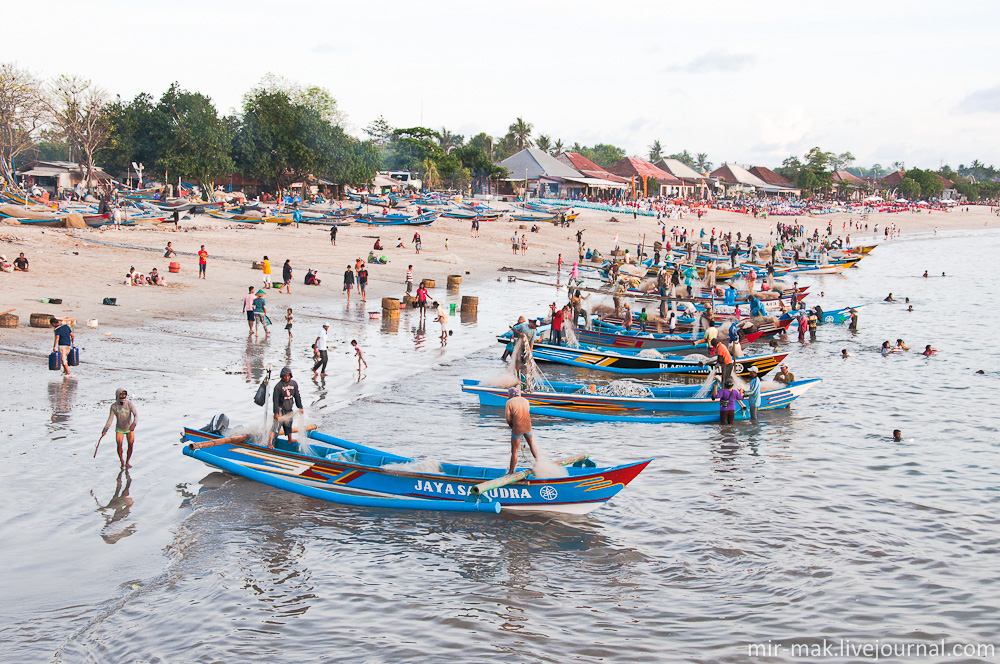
(248,306)
(63,343)
(286,397)
(324,356)
(752,394)
(125,417)
(518,415)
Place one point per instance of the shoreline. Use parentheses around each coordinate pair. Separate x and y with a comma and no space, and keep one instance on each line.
(82,268)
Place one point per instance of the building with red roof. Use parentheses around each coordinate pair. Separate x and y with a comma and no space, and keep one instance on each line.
(641,171)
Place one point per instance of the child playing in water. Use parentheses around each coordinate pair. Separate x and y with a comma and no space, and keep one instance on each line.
(359,353)
(288,322)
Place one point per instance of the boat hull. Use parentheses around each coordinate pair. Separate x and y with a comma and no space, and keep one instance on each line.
(338,471)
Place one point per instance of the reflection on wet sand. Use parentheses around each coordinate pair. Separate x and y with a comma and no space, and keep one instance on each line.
(117,509)
(62,393)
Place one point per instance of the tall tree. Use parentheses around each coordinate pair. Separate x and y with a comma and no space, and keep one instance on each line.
(379,132)
(558,146)
(22,114)
(449,141)
(199,143)
(684,157)
(701,162)
(522,133)
(790,168)
(280,141)
(78,110)
(655,152)
(602,154)
(315,97)
(138,129)
(543,143)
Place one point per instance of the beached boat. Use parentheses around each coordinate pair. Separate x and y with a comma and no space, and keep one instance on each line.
(339,471)
(533,217)
(648,361)
(567,399)
(397,219)
(249,218)
(386,202)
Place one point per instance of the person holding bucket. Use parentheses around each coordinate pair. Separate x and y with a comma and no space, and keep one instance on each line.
(62,343)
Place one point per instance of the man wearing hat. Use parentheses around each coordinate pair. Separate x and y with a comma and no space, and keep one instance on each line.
(752,393)
(784,376)
(260,313)
(286,395)
(321,350)
(517,412)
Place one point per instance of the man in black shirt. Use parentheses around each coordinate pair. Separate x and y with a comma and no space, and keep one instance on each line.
(286,398)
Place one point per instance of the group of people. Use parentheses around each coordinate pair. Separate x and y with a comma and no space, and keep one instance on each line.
(136,278)
(20,264)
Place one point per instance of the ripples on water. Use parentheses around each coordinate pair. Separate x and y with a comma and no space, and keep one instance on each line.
(812,525)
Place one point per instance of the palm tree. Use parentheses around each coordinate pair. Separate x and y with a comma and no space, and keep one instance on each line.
(655,152)
(702,162)
(558,146)
(449,141)
(543,143)
(522,133)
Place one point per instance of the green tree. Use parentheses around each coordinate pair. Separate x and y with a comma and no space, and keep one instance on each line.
(379,132)
(543,143)
(522,133)
(790,169)
(930,182)
(449,141)
(909,189)
(684,157)
(412,146)
(138,128)
(199,143)
(655,152)
(558,147)
(280,141)
(701,162)
(430,176)
(314,97)
(602,154)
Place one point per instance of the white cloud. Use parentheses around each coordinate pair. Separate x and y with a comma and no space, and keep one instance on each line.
(715,61)
(987,101)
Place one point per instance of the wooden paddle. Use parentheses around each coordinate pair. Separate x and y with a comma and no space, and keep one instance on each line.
(231,439)
(483,487)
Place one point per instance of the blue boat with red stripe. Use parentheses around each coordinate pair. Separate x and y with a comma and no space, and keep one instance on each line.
(336,470)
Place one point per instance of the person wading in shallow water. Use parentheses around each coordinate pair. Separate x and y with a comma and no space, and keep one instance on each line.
(286,398)
(124,416)
(517,412)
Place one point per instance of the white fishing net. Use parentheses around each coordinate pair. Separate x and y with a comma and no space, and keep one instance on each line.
(416,466)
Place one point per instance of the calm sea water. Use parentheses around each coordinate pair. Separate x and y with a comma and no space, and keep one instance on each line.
(811,525)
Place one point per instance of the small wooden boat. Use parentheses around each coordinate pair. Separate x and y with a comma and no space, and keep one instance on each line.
(397,219)
(385,202)
(249,218)
(649,361)
(339,471)
(564,399)
(534,217)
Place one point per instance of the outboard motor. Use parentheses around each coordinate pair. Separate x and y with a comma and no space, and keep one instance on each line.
(218,426)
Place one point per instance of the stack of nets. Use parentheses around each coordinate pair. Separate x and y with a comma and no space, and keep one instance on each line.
(619,388)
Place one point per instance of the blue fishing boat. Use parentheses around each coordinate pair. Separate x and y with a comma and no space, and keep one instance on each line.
(649,361)
(397,219)
(342,472)
(573,400)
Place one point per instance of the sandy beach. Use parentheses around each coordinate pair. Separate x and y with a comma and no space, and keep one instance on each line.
(82,267)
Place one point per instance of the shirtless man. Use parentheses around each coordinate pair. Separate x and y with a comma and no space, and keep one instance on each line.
(124,416)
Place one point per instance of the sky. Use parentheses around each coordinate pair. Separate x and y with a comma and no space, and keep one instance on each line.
(744,82)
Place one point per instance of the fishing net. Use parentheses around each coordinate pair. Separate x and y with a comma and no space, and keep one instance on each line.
(416,466)
(619,388)
(650,352)
(571,339)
